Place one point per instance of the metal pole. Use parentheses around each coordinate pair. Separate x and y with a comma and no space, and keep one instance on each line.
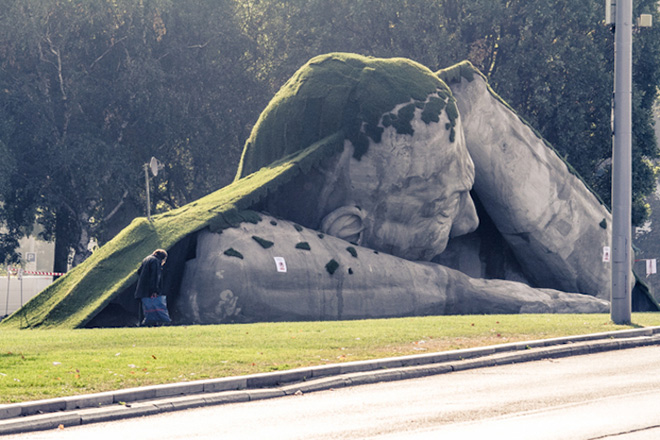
(20,277)
(7,299)
(622,165)
(146,182)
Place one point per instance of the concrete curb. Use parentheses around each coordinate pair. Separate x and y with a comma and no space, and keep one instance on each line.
(137,402)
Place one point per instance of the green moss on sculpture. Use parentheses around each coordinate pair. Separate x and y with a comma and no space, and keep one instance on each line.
(339,93)
(304,246)
(458,72)
(405,115)
(231,252)
(452,113)
(263,242)
(432,110)
(232,219)
(332,266)
(351,250)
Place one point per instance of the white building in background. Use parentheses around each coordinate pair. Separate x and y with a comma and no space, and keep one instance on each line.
(37,259)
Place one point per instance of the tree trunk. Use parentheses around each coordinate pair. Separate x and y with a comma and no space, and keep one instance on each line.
(81,246)
(61,242)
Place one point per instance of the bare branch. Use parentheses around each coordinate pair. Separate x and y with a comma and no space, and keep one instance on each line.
(199,46)
(116,208)
(58,66)
(91,66)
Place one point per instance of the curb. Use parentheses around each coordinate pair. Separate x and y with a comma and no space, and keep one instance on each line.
(138,402)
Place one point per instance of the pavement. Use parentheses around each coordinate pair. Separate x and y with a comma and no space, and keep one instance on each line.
(149,400)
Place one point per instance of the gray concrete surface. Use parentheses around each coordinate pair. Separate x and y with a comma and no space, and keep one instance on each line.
(137,402)
(554,224)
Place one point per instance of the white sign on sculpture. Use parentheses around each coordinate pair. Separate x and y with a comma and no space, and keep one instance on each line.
(280,263)
(651,267)
(606,254)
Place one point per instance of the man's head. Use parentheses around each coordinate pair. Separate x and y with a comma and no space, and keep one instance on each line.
(161,254)
(401,183)
(412,191)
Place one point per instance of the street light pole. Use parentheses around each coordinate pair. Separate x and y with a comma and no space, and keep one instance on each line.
(155,166)
(622,166)
(146,182)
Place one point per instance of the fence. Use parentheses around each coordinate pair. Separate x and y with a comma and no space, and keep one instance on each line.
(20,286)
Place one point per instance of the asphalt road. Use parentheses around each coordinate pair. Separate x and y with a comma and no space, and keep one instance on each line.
(606,395)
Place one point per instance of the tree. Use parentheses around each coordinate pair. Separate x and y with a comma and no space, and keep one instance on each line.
(93,89)
(553,63)
(59,100)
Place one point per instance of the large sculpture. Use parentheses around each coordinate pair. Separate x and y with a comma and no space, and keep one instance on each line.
(399,185)
(364,167)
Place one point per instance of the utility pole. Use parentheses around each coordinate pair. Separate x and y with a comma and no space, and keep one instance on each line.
(146,182)
(622,157)
(622,166)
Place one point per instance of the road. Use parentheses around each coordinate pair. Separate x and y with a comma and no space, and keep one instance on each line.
(613,395)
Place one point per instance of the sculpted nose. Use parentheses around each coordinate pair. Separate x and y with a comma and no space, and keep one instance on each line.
(466,220)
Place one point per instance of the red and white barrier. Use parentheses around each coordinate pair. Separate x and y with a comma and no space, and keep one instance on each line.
(17,293)
(52,274)
(13,271)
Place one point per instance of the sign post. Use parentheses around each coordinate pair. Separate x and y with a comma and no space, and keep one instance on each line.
(154,165)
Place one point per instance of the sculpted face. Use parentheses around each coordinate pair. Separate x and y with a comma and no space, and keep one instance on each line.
(414,191)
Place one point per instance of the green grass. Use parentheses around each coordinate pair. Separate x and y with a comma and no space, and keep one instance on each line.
(40,364)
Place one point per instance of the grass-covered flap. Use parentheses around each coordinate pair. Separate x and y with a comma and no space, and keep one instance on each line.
(77,297)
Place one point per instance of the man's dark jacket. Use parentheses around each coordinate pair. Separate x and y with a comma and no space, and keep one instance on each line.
(150,279)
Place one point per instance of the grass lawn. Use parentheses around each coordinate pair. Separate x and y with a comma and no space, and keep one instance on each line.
(40,364)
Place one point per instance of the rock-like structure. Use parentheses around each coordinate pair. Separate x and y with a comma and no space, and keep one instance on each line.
(553,223)
(367,168)
(403,193)
(277,271)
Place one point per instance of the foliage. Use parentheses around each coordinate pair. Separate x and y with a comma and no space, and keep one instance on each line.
(55,363)
(553,63)
(91,89)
